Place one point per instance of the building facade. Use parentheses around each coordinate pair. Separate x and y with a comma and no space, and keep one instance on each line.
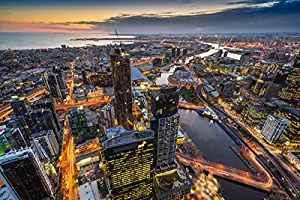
(273,128)
(20,106)
(11,138)
(165,125)
(120,64)
(24,175)
(292,132)
(45,144)
(129,165)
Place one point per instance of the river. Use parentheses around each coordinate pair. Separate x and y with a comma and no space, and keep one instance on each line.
(215,144)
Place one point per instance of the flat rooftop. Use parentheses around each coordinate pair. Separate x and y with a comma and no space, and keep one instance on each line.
(128,137)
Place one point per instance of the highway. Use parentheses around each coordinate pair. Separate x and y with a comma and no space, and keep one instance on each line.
(67,164)
(286,179)
(262,182)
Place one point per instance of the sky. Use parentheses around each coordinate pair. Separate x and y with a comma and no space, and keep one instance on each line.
(150,16)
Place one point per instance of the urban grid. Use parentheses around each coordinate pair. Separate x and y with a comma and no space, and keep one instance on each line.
(154,116)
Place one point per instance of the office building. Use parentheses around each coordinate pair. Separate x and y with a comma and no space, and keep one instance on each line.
(184,52)
(227,89)
(128,159)
(20,106)
(48,104)
(42,120)
(107,118)
(78,123)
(11,138)
(19,123)
(173,52)
(255,114)
(273,128)
(120,64)
(24,176)
(84,77)
(51,83)
(45,144)
(291,91)
(272,90)
(292,132)
(60,76)
(165,124)
(178,52)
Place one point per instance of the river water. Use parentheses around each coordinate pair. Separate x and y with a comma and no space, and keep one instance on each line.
(215,144)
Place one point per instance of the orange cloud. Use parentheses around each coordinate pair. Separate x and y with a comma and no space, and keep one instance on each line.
(47,27)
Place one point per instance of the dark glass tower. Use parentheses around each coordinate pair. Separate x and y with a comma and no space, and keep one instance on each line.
(48,104)
(129,165)
(51,83)
(165,125)
(24,176)
(20,106)
(120,64)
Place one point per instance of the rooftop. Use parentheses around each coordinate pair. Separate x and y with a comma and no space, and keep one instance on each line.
(136,74)
(292,110)
(128,137)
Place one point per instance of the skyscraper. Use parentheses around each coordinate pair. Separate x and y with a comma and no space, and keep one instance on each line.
(78,123)
(51,83)
(11,138)
(165,125)
(42,120)
(107,117)
(60,76)
(129,165)
(20,106)
(24,175)
(120,64)
(45,144)
(48,104)
(273,128)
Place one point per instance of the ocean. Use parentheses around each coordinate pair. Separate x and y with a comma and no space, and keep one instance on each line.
(50,40)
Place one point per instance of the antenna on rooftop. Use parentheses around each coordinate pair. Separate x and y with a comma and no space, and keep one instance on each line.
(117,35)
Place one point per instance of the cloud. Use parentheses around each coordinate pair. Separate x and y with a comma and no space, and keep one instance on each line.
(248,2)
(252,17)
(186,2)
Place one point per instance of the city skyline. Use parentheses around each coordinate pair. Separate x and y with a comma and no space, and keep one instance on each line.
(141,17)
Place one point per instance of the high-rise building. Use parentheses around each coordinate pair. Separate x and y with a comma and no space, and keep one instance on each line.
(78,123)
(51,83)
(178,52)
(173,52)
(84,77)
(273,128)
(60,76)
(42,120)
(45,144)
(107,118)
(272,90)
(165,125)
(292,132)
(120,64)
(48,104)
(129,165)
(20,106)
(24,176)
(184,52)
(11,138)
(291,91)
(19,123)
(228,89)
